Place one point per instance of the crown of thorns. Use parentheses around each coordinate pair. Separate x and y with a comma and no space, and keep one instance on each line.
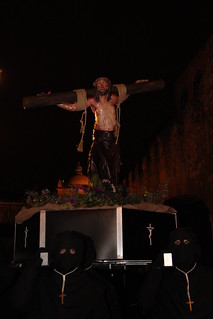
(102,78)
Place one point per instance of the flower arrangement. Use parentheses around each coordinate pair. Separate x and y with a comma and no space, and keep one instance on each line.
(98,193)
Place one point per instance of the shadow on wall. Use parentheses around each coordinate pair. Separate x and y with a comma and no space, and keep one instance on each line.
(193,212)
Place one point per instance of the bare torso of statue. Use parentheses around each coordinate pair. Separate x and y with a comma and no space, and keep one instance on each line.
(104,111)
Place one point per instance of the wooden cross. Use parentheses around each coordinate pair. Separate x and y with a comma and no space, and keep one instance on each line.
(71,97)
(190,302)
(62,295)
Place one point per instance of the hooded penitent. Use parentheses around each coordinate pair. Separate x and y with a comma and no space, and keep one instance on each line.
(68,251)
(184,247)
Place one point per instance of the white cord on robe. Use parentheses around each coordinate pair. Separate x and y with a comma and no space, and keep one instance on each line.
(187,280)
(64,278)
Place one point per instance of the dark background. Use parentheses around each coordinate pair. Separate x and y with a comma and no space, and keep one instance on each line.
(65,46)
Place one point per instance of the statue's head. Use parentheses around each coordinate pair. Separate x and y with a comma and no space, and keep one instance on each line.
(102,79)
(103,87)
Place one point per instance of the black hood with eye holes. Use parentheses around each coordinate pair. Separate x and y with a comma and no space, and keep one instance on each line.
(184,255)
(67,240)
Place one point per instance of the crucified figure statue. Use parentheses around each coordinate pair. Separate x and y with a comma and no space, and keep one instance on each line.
(104,156)
(104,101)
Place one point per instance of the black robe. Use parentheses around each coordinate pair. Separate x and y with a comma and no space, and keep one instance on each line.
(163,294)
(112,295)
(8,275)
(37,290)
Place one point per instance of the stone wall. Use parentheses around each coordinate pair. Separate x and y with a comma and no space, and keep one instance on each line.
(180,160)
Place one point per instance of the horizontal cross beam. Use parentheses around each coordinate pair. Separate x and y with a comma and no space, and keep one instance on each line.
(31,102)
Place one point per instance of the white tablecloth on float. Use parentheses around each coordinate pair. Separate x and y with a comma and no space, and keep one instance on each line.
(26,213)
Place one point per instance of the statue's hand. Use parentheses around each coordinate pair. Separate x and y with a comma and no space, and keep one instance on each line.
(42,93)
(142,81)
